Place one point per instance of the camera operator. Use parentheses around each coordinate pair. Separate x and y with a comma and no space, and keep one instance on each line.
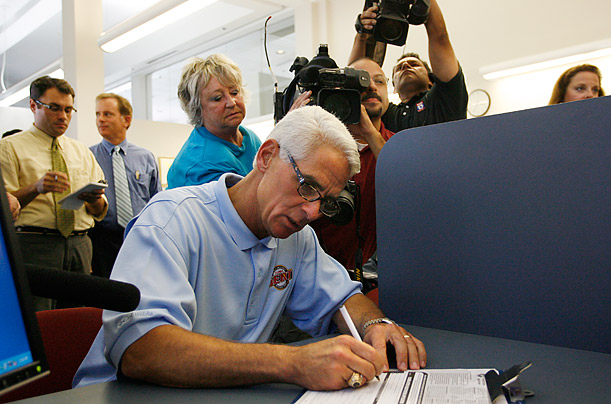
(342,242)
(427,97)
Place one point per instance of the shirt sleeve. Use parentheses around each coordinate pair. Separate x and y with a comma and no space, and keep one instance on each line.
(447,101)
(322,286)
(151,259)
(97,174)
(9,164)
(391,116)
(156,179)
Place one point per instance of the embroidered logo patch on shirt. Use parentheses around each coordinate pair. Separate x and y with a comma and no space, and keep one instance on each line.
(420,106)
(281,277)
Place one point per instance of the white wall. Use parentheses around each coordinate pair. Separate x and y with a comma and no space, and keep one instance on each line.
(483,33)
(161,138)
(15,118)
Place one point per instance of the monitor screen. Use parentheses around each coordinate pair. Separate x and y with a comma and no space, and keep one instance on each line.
(22,356)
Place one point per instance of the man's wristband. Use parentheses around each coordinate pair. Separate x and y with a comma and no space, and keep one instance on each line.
(385,320)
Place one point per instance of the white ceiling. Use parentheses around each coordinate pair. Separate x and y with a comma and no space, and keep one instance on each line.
(483,33)
(31,33)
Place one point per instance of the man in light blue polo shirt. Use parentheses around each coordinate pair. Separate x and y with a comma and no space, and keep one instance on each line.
(217,264)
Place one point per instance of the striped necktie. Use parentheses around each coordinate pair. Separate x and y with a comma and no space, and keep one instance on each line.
(122,198)
(64,219)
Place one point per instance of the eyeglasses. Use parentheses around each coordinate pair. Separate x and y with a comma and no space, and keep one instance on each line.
(328,206)
(55,107)
(379,80)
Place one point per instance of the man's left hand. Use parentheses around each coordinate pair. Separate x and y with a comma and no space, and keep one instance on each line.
(14,205)
(303,99)
(409,349)
(92,197)
(364,130)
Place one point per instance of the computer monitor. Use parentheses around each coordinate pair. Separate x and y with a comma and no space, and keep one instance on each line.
(22,357)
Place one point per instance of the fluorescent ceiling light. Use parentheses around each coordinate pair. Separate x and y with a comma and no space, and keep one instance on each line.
(15,97)
(153,19)
(20,25)
(24,92)
(546,61)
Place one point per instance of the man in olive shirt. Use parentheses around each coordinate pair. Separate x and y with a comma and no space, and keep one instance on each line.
(39,167)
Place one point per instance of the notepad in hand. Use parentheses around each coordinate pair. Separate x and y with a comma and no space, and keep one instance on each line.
(72,202)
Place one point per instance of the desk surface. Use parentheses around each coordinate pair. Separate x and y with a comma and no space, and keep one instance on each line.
(558,375)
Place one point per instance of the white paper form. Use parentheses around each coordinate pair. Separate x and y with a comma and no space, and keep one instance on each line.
(439,386)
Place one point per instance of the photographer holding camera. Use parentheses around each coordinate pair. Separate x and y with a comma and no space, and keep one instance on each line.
(427,96)
(355,242)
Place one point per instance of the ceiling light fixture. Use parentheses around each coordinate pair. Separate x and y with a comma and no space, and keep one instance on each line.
(561,57)
(24,90)
(150,20)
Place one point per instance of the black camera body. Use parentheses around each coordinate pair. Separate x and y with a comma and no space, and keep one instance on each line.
(394,18)
(340,91)
(348,202)
(337,90)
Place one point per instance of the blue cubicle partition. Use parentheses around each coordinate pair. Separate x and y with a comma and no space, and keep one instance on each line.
(501,225)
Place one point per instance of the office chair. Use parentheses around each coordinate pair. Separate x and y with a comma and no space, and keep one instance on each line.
(67,335)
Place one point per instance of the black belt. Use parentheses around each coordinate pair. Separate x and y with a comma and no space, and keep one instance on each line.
(45,231)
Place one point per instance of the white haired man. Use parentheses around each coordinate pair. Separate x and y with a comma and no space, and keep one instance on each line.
(238,253)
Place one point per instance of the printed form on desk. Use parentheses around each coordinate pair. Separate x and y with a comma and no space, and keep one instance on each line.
(460,386)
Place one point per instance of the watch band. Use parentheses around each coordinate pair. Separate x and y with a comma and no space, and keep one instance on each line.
(377,321)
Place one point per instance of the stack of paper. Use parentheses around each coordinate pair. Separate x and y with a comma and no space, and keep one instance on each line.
(459,386)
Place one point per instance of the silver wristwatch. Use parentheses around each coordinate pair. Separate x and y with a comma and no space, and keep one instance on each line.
(377,321)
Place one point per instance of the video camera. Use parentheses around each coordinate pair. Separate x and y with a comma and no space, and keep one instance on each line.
(337,90)
(394,17)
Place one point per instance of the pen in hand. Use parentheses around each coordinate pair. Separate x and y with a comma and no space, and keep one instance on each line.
(356,336)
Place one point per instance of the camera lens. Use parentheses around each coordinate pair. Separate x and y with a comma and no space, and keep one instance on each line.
(338,105)
(391,30)
(346,204)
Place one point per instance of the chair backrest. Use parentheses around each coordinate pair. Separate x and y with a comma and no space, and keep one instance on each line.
(67,335)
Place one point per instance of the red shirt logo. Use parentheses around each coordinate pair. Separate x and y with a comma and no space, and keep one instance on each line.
(281,277)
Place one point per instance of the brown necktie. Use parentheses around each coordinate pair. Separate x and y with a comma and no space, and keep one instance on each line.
(64,219)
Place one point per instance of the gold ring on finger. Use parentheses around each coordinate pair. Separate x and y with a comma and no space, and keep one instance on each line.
(356,380)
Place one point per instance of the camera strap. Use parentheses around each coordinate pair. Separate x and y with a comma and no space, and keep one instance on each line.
(358,256)
(375,50)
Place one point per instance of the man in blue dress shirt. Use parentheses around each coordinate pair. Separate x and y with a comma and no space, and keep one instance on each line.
(135,164)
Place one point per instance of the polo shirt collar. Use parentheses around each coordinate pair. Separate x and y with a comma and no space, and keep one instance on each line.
(241,234)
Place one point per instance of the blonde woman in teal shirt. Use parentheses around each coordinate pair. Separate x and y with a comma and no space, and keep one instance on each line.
(212,95)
